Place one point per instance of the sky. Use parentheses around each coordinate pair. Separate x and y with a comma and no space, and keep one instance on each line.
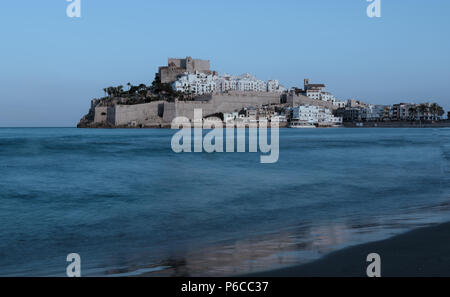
(51,65)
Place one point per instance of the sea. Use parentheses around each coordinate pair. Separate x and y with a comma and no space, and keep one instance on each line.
(129,205)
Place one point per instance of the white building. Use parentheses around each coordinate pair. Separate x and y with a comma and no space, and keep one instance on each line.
(200,83)
(197,83)
(339,104)
(312,114)
(318,92)
(326,96)
(273,86)
(245,83)
(327,117)
(278,117)
(306,113)
(314,94)
(373,112)
(230,116)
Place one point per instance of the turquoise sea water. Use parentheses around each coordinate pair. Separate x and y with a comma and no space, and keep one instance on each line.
(129,205)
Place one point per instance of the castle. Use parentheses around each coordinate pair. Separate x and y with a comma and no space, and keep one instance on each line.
(177,67)
(161,112)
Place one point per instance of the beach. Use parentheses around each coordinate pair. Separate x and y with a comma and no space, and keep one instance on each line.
(423,252)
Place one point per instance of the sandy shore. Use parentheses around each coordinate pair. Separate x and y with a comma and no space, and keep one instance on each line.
(422,252)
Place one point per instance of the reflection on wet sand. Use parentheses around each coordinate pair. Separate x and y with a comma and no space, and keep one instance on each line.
(245,256)
(294,246)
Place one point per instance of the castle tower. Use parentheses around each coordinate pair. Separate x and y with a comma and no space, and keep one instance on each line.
(190,64)
(306,83)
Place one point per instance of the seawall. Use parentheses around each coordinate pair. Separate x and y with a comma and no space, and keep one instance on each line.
(398,124)
(161,113)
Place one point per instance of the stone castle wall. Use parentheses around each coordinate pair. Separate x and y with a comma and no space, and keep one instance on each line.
(177,67)
(126,115)
(142,114)
(229,102)
(170,74)
(170,112)
(162,112)
(101,114)
(190,64)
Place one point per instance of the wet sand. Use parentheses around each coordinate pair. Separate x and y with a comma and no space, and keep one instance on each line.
(422,252)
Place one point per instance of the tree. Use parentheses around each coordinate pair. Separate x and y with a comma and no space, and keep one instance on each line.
(142,90)
(120,90)
(440,111)
(413,112)
(110,91)
(133,89)
(423,109)
(437,111)
(433,110)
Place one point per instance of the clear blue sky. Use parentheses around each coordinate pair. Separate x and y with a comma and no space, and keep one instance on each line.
(51,66)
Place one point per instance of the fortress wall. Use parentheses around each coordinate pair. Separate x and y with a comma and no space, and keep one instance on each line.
(225,103)
(141,114)
(178,67)
(201,65)
(186,108)
(295,100)
(162,112)
(111,118)
(170,74)
(170,112)
(101,113)
(236,101)
(176,62)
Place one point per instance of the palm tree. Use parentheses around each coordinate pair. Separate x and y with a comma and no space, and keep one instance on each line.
(142,90)
(413,112)
(119,90)
(440,111)
(433,110)
(423,109)
(110,91)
